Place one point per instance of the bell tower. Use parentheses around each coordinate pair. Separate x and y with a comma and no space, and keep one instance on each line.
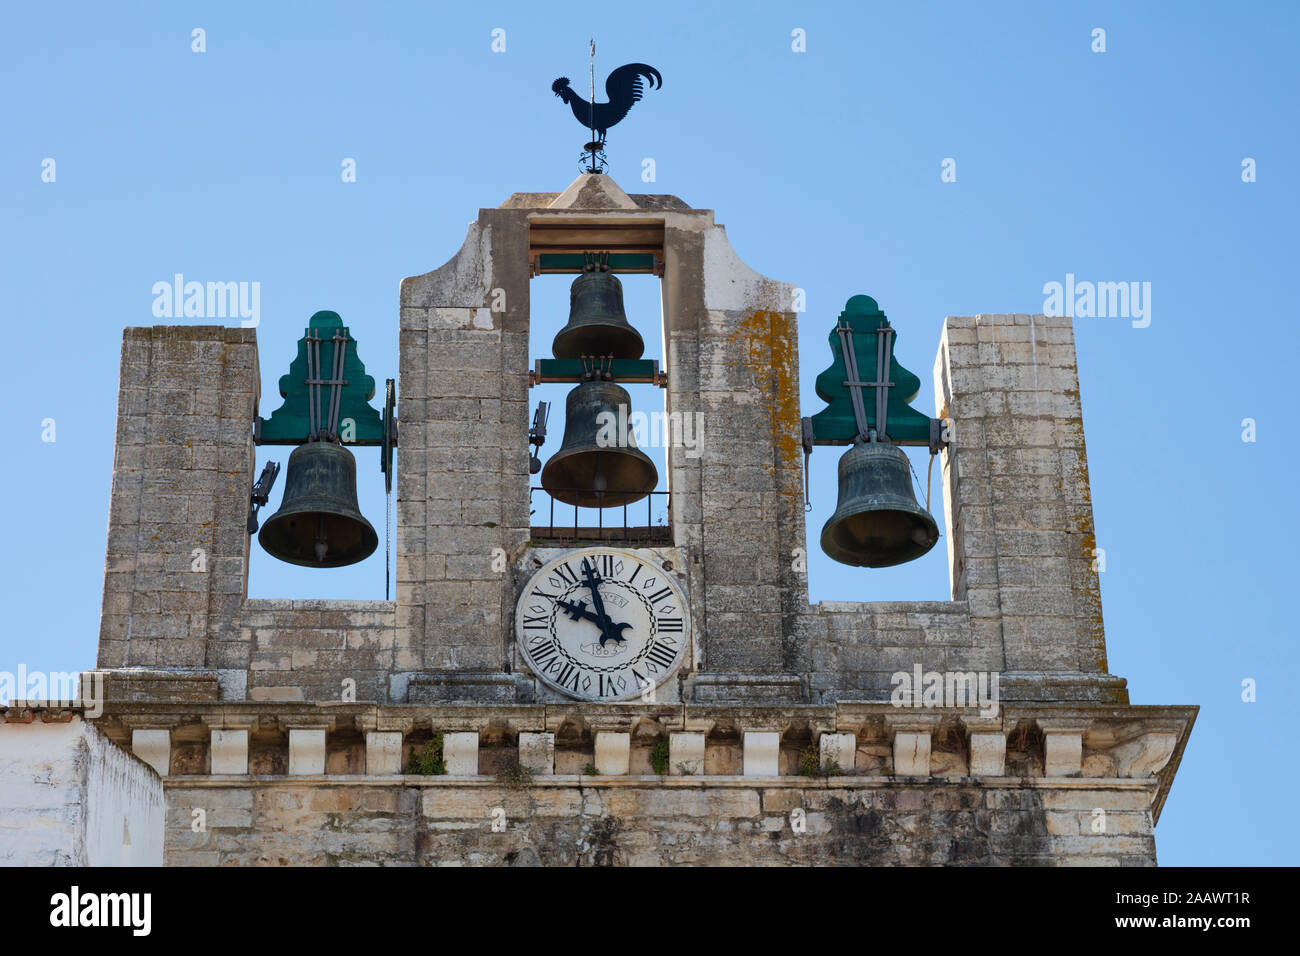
(730,362)
(598,682)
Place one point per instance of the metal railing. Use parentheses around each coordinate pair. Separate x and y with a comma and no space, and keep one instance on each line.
(651,532)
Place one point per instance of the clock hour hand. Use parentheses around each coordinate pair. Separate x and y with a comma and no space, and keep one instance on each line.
(579,611)
(607,626)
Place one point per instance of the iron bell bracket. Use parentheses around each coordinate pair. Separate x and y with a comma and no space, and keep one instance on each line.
(627,371)
(860,399)
(324,388)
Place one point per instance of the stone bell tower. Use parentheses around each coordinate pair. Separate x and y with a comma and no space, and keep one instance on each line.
(772,732)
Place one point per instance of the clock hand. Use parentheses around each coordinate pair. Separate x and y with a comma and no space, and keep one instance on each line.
(592,583)
(579,611)
(607,625)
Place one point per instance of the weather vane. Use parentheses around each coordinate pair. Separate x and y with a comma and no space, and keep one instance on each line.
(624,87)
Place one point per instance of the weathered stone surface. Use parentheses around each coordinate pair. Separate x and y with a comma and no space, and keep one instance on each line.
(440,822)
(762,754)
(537,752)
(460,753)
(613,753)
(306,752)
(766,674)
(229,751)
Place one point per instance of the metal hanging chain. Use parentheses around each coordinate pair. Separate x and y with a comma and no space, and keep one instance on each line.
(929,472)
(388,524)
(313,378)
(854,386)
(884,357)
(324,420)
(337,383)
(884,354)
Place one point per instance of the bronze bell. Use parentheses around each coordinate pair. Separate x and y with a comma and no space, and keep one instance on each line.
(878,522)
(319,524)
(597,323)
(598,464)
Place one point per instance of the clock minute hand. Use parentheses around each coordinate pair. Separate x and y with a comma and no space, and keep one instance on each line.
(592,583)
(609,630)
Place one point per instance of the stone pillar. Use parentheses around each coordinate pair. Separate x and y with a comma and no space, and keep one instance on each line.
(685,754)
(537,753)
(306,752)
(842,748)
(383,752)
(177,563)
(732,360)
(462,460)
(613,753)
(1021,544)
(1062,747)
(154,747)
(988,751)
(460,754)
(762,754)
(229,749)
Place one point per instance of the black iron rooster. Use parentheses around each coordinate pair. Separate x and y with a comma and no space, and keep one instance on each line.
(624,87)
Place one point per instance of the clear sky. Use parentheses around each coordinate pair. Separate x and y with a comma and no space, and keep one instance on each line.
(826,167)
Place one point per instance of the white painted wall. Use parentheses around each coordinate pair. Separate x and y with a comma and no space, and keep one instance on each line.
(70,797)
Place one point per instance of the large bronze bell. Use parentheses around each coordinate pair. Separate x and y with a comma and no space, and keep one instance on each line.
(597,323)
(878,522)
(598,464)
(319,524)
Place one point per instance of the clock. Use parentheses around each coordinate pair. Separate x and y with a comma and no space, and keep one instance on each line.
(602,624)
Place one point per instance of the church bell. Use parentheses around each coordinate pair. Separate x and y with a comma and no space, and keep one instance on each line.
(319,524)
(598,464)
(597,323)
(878,522)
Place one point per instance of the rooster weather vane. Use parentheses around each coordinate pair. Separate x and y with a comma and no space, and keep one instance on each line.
(624,87)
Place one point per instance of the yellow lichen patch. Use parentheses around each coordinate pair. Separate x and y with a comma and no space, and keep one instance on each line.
(766,342)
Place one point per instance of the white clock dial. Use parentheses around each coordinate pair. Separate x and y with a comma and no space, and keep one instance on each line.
(602,624)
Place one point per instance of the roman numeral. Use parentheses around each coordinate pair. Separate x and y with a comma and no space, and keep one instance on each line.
(660,655)
(568,677)
(542,594)
(634,574)
(670,624)
(566,573)
(661,596)
(542,654)
(535,622)
(607,565)
(606,686)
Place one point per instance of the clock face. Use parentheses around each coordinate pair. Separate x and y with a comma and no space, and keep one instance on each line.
(602,624)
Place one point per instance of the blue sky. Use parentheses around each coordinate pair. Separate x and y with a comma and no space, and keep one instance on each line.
(825,167)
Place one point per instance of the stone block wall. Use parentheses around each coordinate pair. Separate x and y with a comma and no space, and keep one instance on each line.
(650,822)
(322,650)
(1020,537)
(1025,601)
(302,783)
(176,571)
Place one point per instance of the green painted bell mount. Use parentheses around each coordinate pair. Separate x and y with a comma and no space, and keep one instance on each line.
(292,422)
(865,324)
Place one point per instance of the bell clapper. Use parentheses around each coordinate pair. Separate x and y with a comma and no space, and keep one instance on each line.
(322,545)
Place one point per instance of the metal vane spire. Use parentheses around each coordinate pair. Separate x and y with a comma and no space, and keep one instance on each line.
(591,113)
(624,87)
